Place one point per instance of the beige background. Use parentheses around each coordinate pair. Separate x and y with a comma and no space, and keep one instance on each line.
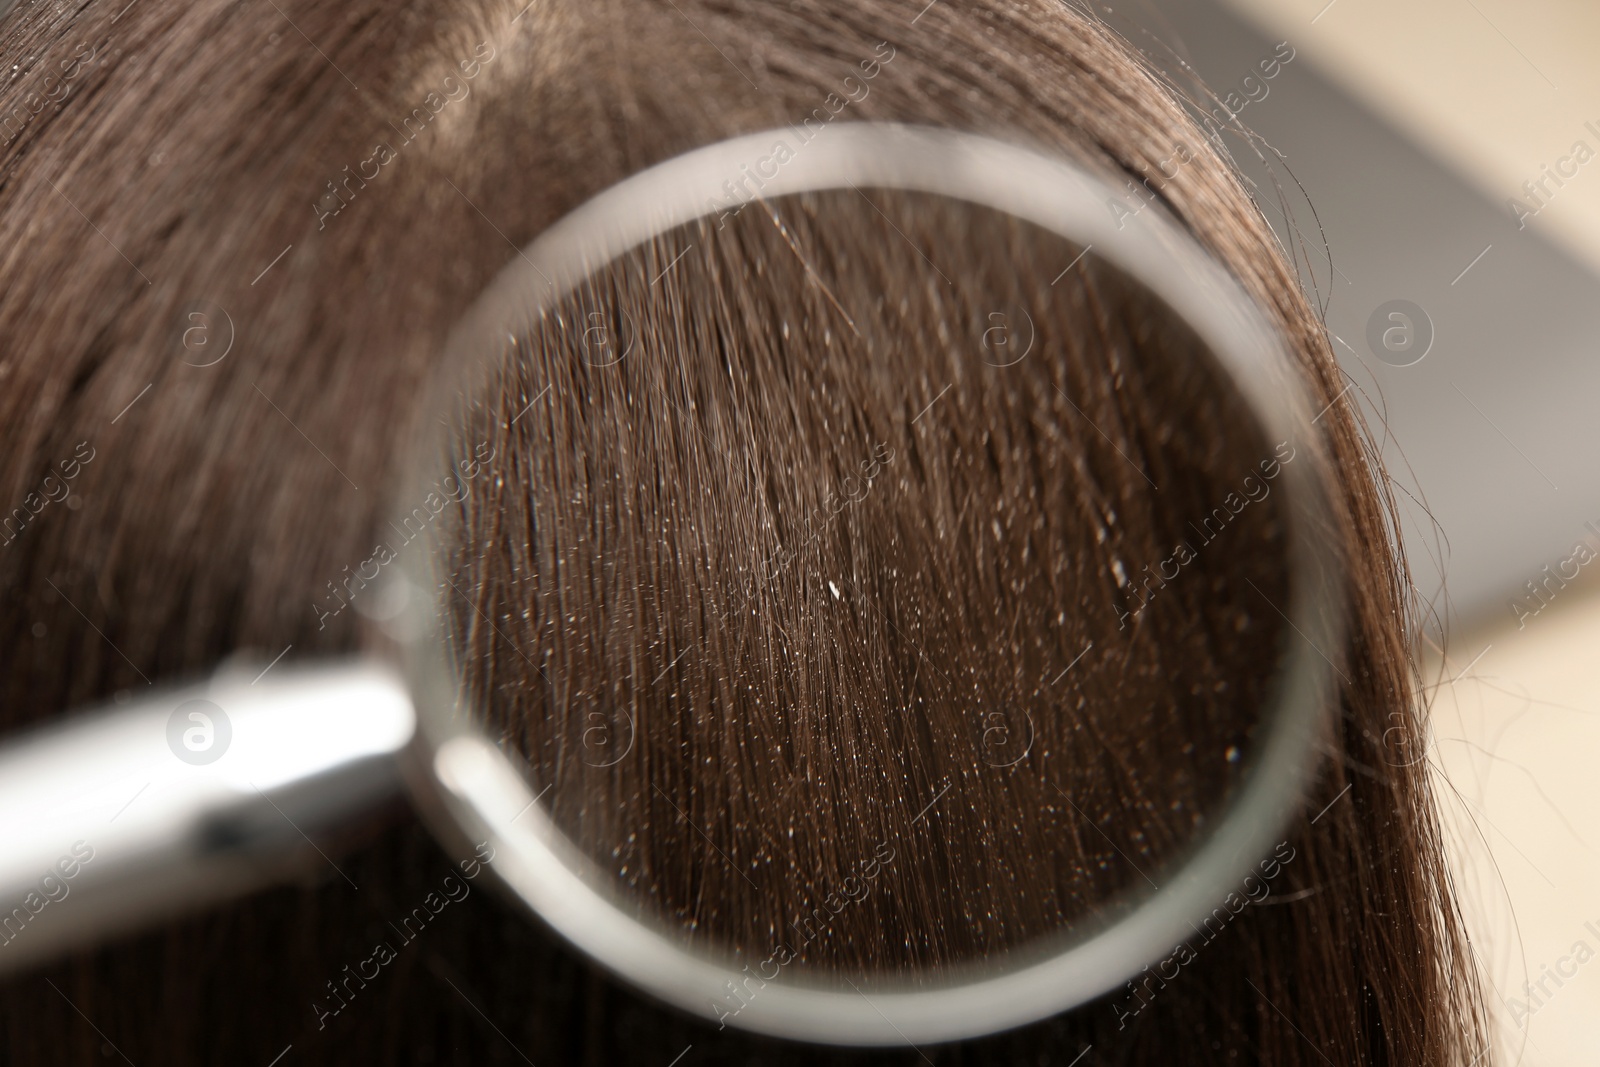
(1517,744)
(1498,87)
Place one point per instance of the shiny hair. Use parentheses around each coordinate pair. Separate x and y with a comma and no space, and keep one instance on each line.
(233,239)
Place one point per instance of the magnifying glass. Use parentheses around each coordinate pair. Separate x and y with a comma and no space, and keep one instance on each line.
(613,791)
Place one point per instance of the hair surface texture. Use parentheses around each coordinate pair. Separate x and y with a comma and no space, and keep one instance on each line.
(835,561)
(331,186)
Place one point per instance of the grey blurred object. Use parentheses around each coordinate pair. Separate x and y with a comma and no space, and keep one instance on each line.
(132,813)
(1490,429)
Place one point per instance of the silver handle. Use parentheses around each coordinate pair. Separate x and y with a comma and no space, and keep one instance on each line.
(120,817)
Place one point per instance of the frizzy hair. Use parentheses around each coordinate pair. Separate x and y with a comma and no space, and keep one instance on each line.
(184,164)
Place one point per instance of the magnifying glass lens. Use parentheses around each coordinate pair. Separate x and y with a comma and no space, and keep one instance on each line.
(877,586)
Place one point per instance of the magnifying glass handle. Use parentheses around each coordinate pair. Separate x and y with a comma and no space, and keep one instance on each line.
(121,816)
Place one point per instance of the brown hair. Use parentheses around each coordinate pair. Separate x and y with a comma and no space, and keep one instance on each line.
(871,536)
(330,187)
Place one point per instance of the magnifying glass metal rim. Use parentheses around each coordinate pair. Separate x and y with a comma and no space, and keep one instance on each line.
(475,792)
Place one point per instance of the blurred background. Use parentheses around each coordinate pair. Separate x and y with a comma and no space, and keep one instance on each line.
(1434,168)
